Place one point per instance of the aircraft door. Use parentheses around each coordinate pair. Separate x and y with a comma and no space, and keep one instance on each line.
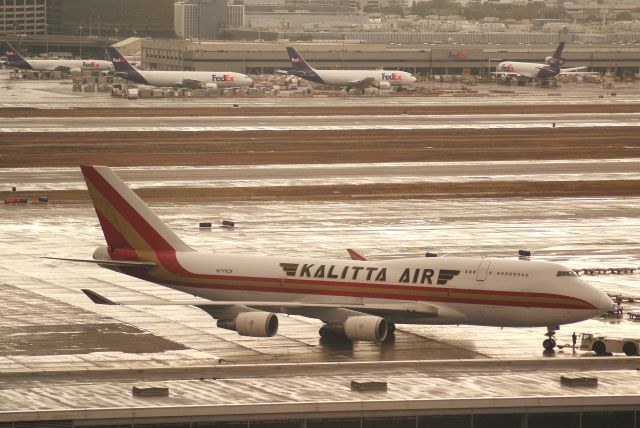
(483,270)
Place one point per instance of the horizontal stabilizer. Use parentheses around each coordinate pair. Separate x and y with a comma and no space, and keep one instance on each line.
(355,255)
(116,263)
(97,298)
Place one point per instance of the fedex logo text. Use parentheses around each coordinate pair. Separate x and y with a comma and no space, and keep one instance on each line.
(296,59)
(507,67)
(223,78)
(392,76)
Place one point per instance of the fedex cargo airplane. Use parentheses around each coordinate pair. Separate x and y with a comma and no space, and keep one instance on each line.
(14,59)
(382,79)
(180,79)
(527,71)
(356,299)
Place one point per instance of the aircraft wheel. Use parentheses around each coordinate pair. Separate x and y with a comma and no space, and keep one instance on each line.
(630,349)
(549,344)
(391,328)
(324,332)
(599,348)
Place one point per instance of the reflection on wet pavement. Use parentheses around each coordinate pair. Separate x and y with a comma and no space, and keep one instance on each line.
(580,232)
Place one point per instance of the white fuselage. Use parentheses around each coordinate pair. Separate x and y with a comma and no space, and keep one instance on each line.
(479,291)
(181,78)
(347,77)
(529,70)
(70,64)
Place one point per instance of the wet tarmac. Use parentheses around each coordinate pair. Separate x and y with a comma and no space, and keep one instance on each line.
(58,94)
(41,179)
(579,232)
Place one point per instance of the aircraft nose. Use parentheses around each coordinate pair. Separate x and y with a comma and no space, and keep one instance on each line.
(605,303)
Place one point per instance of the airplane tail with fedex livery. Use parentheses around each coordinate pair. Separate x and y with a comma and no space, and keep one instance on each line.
(301,68)
(132,231)
(14,59)
(124,68)
(556,59)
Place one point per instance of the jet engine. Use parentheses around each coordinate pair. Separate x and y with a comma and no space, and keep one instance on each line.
(384,85)
(255,323)
(364,327)
(554,61)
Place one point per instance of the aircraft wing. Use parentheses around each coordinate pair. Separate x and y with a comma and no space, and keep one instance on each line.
(191,83)
(404,312)
(116,263)
(368,81)
(573,70)
(505,74)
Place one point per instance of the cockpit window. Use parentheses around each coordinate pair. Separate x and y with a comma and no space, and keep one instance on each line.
(566,273)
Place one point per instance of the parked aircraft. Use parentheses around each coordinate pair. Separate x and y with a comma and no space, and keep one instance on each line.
(524,72)
(14,59)
(357,299)
(382,79)
(181,79)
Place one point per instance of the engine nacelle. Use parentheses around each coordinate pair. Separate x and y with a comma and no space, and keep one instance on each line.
(553,61)
(256,324)
(210,86)
(366,327)
(384,85)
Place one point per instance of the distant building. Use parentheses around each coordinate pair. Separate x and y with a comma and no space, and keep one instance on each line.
(235,18)
(110,17)
(186,21)
(213,16)
(24,17)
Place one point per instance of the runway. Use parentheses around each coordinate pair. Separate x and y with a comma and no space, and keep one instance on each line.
(43,179)
(317,123)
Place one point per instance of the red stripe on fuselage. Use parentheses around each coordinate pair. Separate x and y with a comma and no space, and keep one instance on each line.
(375,291)
(167,257)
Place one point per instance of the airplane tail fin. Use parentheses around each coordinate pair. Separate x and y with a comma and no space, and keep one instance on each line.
(556,59)
(123,67)
(14,59)
(300,66)
(127,222)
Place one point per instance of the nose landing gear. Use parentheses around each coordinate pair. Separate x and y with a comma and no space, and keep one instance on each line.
(550,342)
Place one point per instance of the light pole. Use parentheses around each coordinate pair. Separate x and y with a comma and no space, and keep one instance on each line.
(46,36)
(80,28)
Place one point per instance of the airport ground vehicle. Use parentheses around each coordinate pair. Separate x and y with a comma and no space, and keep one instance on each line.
(602,345)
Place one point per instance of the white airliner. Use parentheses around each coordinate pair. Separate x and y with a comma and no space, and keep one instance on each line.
(528,71)
(356,299)
(179,79)
(14,59)
(382,79)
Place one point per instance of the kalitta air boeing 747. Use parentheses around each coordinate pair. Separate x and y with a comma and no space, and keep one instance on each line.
(356,299)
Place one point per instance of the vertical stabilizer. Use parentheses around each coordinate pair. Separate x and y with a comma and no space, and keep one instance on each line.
(301,68)
(124,68)
(14,59)
(127,222)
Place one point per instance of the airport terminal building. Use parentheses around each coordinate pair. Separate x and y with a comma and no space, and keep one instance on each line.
(620,60)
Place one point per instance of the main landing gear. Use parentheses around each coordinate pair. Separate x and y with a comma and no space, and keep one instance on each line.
(550,342)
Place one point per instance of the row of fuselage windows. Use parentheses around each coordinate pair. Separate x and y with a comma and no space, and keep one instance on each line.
(520,274)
